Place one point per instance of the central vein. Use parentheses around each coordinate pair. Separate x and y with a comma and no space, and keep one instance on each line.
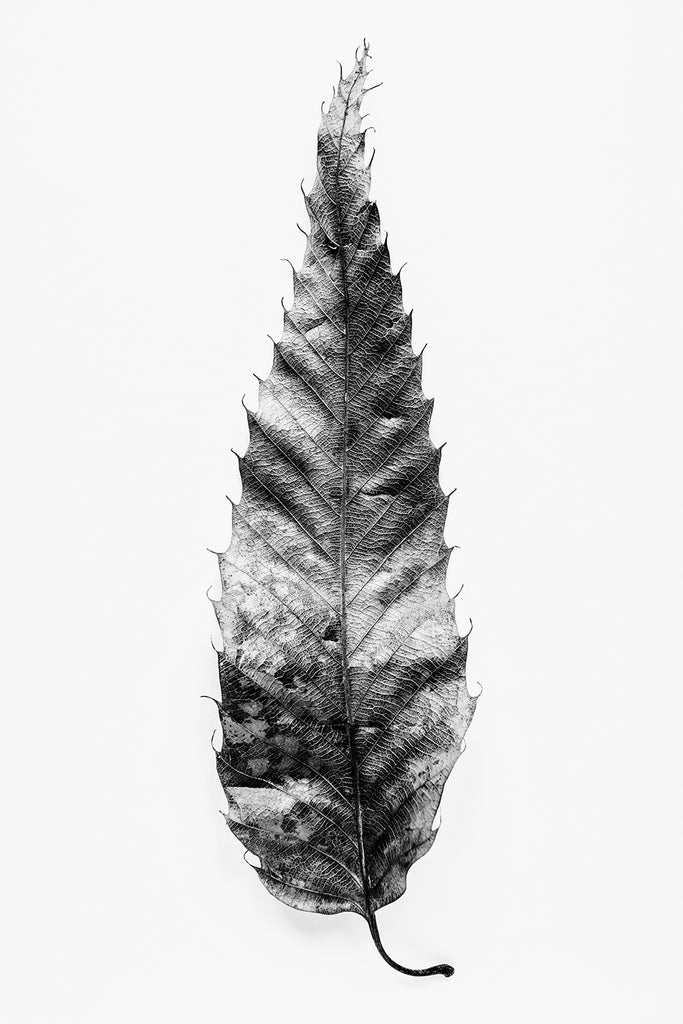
(346,680)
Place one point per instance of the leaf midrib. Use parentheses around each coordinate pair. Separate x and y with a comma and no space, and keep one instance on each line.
(346,681)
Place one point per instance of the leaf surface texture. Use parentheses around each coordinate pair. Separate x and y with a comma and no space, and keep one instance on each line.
(343,696)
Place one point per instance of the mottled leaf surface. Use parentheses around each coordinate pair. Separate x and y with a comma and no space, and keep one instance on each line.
(344,703)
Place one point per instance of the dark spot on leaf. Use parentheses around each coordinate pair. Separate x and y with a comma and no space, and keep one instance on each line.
(331,631)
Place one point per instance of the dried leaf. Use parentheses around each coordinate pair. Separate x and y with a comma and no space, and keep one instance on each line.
(344,703)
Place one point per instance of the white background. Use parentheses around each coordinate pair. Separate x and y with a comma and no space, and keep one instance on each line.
(529,168)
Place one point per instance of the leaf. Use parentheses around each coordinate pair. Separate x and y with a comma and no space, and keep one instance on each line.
(344,703)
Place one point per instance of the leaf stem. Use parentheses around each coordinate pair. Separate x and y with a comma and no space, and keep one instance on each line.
(444,969)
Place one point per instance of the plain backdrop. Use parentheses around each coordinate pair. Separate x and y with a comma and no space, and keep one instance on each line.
(529,168)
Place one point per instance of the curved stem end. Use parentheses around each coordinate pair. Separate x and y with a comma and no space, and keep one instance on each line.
(425,972)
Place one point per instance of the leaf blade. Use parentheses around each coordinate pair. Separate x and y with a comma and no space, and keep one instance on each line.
(334,598)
